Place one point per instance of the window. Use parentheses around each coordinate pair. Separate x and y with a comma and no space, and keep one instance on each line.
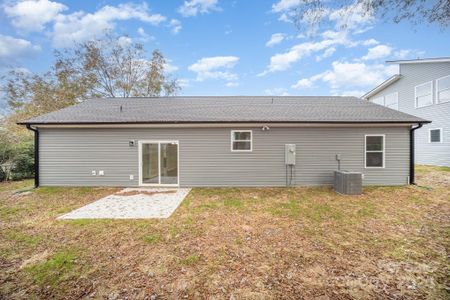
(379,100)
(435,135)
(443,89)
(241,140)
(391,101)
(424,94)
(374,155)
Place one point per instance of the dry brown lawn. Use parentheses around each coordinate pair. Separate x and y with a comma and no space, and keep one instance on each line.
(246,243)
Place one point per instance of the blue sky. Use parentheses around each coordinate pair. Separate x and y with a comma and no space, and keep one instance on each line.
(216,47)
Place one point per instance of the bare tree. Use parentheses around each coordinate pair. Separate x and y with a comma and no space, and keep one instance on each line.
(107,67)
(313,12)
(115,67)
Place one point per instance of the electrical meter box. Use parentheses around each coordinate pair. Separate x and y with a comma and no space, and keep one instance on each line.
(289,154)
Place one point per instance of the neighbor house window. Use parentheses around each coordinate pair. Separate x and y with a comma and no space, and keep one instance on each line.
(424,94)
(241,140)
(391,101)
(435,135)
(443,89)
(374,155)
(379,100)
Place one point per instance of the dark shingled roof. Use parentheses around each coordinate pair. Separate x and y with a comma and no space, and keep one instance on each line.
(213,109)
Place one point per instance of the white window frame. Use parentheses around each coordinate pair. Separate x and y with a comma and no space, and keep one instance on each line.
(415,94)
(376,98)
(233,140)
(437,90)
(372,151)
(440,138)
(384,100)
(158,142)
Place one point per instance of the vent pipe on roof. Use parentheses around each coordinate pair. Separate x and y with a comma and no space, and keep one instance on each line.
(121,108)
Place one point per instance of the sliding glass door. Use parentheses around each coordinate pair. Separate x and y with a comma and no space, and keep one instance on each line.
(158,162)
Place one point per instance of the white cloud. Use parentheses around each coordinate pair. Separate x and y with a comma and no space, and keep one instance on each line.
(408,53)
(377,52)
(80,26)
(217,67)
(183,82)
(286,17)
(276,92)
(355,16)
(284,5)
(124,41)
(276,38)
(327,53)
(191,8)
(303,83)
(32,15)
(355,93)
(175,25)
(283,61)
(402,53)
(350,75)
(169,67)
(370,42)
(144,37)
(13,49)
(232,84)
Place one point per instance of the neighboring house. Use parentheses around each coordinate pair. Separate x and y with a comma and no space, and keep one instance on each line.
(222,141)
(422,88)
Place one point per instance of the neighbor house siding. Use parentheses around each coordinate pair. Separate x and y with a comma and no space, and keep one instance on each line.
(438,113)
(67,156)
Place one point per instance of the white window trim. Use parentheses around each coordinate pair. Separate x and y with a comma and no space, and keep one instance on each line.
(365,151)
(429,135)
(415,94)
(381,97)
(437,90)
(394,93)
(233,140)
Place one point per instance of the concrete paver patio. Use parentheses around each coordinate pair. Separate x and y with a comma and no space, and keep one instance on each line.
(132,203)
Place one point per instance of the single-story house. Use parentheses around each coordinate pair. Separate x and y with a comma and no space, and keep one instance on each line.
(223,141)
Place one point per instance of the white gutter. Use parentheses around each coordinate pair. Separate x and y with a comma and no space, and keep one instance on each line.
(419,60)
(382,86)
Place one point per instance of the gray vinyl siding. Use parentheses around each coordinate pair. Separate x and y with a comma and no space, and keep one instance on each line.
(67,156)
(438,113)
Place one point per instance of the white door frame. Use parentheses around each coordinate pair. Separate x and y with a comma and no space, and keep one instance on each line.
(159,142)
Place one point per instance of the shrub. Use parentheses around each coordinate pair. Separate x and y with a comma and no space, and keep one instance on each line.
(24,161)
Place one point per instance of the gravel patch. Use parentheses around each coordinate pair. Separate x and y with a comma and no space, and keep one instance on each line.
(151,203)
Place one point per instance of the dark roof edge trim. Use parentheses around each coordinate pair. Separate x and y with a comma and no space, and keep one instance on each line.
(226,122)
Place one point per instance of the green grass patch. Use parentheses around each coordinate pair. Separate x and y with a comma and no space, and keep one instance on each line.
(190,260)
(289,209)
(152,238)
(7,212)
(16,185)
(311,210)
(211,205)
(366,209)
(58,268)
(50,190)
(428,169)
(320,212)
(23,239)
(417,200)
(89,222)
(232,203)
